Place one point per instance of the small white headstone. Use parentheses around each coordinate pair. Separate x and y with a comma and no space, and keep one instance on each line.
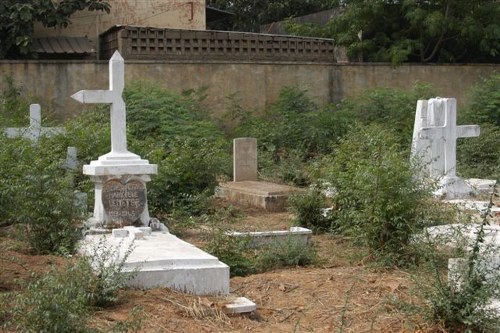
(244,159)
(35,130)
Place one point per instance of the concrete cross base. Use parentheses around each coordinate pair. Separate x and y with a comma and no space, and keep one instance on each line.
(454,188)
(161,260)
(269,196)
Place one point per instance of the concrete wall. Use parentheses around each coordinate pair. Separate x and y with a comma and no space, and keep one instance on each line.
(175,14)
(53,82)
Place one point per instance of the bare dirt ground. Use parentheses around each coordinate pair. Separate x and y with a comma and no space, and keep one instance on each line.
(339,294)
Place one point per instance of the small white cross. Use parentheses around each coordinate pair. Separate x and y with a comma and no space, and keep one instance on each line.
(447,134)
(114,97)
(35,130)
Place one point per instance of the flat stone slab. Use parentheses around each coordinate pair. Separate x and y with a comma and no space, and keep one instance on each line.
(261,194)
(163,260)
(240,305)
(260,238)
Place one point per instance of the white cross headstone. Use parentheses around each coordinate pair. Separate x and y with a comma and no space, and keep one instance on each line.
(35,129)
(114,97)
(119,170)
(435,137)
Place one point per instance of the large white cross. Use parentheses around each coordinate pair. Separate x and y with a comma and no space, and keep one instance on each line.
(114,97)
(446,134)
(35,130)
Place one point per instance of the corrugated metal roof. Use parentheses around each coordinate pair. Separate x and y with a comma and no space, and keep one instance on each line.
(62,45)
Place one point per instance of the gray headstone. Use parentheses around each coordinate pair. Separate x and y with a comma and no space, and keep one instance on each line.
(124,200)
(244,159)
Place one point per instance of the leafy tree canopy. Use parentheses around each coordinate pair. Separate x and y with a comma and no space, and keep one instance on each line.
(250,14)
(17,19)
(415,30)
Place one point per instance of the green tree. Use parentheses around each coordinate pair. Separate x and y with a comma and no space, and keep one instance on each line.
(250,14)
(18,17)
(415,30)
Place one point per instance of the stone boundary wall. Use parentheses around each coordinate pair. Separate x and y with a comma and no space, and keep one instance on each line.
(252,84)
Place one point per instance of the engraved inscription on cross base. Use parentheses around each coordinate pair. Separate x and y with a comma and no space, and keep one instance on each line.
(124,200)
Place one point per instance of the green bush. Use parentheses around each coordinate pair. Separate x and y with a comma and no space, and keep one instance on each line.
(63,299)
(174,132)
(37,195)
(307,208)
(57,302)
(378,200)
(233,251)
(461,304)
(480,157)
(300,131)
(485,102)
(288,253)
(392,108)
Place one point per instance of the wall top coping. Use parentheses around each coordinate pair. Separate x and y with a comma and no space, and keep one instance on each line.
(258,62)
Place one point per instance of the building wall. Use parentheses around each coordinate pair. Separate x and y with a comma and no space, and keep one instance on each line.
(178,14)
(253,84)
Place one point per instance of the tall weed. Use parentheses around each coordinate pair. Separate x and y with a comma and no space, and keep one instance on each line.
(377,200)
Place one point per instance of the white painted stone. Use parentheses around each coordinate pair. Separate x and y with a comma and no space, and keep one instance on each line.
(261,238)
(35,130)
(435,135)
(120,233)
(244,159)
(119,162)
(464,235)
(240,305)
(164,261)
(480,206)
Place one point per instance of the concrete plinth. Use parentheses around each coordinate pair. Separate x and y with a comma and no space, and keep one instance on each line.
(269,196)
(163,260)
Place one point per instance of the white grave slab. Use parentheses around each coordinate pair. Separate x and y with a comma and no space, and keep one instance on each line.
(434,143)
(35,129)
(119,164)
(162,260)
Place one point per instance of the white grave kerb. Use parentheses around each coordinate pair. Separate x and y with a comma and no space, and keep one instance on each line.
(35,129)
(119,163)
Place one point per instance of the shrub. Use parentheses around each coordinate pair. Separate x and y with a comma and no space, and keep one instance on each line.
(288,253)
(63,299)
(233,251)
(37,195)
(57,302)
(301,130)
(174,132)
(307,208)
(392,108)
(378,200)
(480,157)
(485,102)
(461,304)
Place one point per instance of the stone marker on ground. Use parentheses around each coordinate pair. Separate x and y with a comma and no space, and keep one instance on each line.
(244,159)
(158,259)
(118,171)
(434,143)
(246,189)
(35,129)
